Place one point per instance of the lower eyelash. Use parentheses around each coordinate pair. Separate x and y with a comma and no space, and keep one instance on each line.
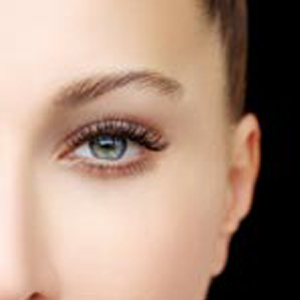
(109,172)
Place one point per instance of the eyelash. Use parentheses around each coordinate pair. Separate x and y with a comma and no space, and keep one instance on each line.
(147,137)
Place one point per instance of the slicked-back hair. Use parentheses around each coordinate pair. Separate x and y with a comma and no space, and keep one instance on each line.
(231,15)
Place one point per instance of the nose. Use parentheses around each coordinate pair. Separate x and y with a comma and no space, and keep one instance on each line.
(17,262)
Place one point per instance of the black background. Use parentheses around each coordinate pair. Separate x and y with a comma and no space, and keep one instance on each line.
(254,271)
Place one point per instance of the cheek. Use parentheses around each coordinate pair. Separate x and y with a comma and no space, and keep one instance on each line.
(151,240)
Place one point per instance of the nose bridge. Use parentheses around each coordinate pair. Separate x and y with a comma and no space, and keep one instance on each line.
(15,215)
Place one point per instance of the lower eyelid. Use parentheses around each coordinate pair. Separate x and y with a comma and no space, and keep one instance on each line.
(112,171)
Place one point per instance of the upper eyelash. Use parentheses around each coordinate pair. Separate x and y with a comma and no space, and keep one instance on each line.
(150,138)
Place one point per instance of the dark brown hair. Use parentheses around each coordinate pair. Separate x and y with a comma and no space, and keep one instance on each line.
(231,16)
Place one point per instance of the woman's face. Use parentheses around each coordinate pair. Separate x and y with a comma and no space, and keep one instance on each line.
(143,221)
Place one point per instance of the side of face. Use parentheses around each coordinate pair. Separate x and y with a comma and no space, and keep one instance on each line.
(162,233)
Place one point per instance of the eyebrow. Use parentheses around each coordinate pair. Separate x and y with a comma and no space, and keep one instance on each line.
(85,90)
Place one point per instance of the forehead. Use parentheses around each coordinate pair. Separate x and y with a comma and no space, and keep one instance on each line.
(103,30)
(46,43)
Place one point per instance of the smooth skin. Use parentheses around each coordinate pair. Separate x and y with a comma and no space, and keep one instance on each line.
(161,234)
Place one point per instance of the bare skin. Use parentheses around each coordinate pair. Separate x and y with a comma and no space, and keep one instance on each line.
(156,234)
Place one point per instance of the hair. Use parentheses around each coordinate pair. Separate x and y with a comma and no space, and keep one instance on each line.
(231,17)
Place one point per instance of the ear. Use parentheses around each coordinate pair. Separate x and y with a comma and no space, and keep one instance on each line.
(245,155)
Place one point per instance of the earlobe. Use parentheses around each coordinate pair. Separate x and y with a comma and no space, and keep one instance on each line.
(221,254)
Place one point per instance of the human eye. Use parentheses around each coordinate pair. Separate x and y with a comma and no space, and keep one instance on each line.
(113,146)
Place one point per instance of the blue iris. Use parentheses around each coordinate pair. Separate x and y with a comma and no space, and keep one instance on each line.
(107,147)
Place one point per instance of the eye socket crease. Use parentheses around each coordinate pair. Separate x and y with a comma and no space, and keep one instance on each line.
(83,91)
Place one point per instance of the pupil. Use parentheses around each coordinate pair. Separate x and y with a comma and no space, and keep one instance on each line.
(108,147)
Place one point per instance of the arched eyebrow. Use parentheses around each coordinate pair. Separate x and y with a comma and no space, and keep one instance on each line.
(85,90)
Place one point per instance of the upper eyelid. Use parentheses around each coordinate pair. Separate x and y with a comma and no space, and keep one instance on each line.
(131,130)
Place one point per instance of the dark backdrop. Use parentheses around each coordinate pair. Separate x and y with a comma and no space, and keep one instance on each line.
(255,264)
